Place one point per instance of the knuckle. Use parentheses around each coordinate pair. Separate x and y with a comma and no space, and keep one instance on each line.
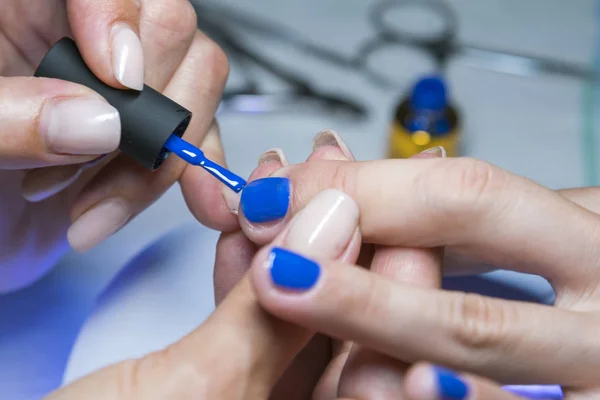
(476,324)
(343,178)
(461,185)
(475,180)
(311,178)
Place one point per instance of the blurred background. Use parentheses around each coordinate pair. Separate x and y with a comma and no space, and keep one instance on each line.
(521,76)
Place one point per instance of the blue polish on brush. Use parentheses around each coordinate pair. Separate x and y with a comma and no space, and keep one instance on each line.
(536,392)
(195,156)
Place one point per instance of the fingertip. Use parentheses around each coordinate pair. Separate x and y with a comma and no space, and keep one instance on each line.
(434,152)
(420,383)
(329,145)
(107,35)
(260,276)
(232,200)
(263,216)
(271,159)
(431,382)
(265,200)
(203,195)
(285,281)
(127,56)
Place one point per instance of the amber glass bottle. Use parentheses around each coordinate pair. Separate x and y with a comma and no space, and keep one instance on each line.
(425,119)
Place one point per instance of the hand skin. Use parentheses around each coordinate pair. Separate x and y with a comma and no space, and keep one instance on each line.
(329,368)
(368,374)
(481,212)
(240,351)
(59,168)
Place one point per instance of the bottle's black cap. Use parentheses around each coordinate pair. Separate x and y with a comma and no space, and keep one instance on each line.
(148,118)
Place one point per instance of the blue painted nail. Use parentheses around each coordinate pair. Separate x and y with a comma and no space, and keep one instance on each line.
(292,271)
(266,199)
(450,386)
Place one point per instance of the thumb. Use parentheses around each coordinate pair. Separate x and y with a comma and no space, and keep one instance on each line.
(51,122)
(109,27)
(427,382)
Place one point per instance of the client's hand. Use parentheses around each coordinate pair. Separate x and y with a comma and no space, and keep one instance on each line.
(476,210)
(241,351)
(317,369)
(235,252)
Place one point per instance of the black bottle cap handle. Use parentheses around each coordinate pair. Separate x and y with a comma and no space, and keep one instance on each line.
(148,117)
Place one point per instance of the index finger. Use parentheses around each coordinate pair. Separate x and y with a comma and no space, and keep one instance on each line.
(501,218)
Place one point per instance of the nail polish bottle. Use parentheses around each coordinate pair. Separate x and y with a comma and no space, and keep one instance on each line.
(425,119)
(148,118)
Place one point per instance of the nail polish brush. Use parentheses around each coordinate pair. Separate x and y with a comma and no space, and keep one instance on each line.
(195,156)
(151,124)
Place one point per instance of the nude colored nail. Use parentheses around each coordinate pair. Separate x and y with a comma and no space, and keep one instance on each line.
(42,183)
(232,200)
(274,155)
(438,151)
(80,126)
(325,226)
(127,57)
(329,137)
(98,223)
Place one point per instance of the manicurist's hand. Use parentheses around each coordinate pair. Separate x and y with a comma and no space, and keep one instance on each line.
(60,174)
(241,351)
(472,209)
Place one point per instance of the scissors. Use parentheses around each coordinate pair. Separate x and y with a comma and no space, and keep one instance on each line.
(441,46)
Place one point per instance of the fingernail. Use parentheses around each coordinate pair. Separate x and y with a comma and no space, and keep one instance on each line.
(95,162)
(331,138)
(232,199)
(450,385)
(42,183)
(325,226)
(438,151)
(266,199)
(98,223)
(127,57)
(80,126)
(273,156)
(292,271)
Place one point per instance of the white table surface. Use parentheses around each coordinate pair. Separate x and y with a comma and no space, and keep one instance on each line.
(528,125)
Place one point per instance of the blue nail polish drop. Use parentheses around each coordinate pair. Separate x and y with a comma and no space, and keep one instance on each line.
(292,271)
(265,200)
(451,387)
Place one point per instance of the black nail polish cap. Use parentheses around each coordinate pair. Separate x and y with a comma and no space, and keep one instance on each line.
(148,118)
